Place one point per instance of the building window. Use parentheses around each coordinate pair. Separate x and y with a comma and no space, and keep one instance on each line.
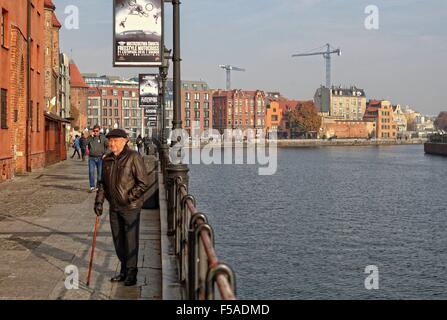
(187,96)
(206,97)
(103,92)
(38,117)
(30,112)
(116,112)
(187,105)
(115,93)
(3,27)
(4,113)
(197,105)
(206,105)
(197,96)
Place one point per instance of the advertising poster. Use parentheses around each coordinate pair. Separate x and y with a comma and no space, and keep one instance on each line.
(138,33)
(148,90)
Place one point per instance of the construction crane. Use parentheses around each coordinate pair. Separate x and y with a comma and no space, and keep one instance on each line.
(326,55)
(229,68)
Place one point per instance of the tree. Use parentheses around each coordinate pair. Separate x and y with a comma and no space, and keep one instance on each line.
(305,117)
(441,121)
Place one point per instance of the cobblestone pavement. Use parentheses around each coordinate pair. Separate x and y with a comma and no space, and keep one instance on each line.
(46,224)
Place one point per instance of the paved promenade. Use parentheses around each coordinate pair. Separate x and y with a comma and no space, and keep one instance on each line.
(46,224)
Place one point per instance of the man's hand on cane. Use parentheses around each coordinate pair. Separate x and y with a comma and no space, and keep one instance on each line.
(98,208)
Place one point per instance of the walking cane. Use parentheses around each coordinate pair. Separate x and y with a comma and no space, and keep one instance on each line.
(93,250)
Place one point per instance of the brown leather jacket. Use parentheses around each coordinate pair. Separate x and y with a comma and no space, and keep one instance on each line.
(124,181)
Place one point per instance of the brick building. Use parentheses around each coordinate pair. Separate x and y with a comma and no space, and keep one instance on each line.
(55,125)
(381,112)
(238,109)
(21,124)
(78,99)
(196,109)
(52,27)
(114,103)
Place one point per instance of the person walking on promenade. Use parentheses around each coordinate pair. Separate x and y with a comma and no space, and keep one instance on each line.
(140,144)
(76,147)
(97,146)
(147,142)
(124,183)
(83,145)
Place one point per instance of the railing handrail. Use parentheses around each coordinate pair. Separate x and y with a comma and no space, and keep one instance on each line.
(224,277)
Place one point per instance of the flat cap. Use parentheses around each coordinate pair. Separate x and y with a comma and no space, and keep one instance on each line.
(117,133)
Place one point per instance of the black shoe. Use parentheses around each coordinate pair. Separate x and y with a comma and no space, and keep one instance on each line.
(119,278)
(131,280)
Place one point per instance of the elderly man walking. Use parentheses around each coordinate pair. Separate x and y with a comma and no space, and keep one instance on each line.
(124,183)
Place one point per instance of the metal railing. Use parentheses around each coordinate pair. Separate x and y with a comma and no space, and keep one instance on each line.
(199,268)
(438,138)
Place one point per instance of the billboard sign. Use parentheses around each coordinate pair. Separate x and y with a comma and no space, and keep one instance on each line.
(137,33)
(148,90)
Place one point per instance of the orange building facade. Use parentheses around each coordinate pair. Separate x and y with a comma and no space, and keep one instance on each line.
(381,112)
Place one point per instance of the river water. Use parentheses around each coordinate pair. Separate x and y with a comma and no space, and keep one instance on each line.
(309,231)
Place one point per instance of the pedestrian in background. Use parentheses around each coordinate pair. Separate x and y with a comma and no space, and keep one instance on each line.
(83,145)
(147,143)
(124,183)
(140,144)
(76,147)
(97,145)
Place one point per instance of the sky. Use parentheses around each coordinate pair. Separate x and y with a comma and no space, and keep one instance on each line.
(403,61)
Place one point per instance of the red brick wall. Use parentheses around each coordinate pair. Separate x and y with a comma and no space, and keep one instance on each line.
(78,105)
(13,66)
(346,130)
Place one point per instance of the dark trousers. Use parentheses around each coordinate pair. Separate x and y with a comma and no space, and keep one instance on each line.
(126,232)
(76,151)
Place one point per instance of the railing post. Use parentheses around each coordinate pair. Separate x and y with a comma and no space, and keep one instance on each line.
(173,172)
(192,257)
(200,259)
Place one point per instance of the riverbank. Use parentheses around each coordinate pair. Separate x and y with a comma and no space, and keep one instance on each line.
(301,143)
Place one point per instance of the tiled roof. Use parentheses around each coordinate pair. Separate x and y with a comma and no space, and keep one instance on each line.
(49,4)
(55,21)
(76,80)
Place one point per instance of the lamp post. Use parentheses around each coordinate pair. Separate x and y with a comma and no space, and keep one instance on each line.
(163,78)
(177,169)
